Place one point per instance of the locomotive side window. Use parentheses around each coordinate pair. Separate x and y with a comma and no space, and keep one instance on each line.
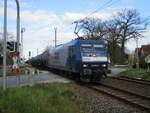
(56,56)
(71,51)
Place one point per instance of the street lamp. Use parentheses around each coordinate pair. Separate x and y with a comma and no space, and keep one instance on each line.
(22,31)
(18,37)
(137,54)
(55,36)
(5,37)
(18,24)
(4,44)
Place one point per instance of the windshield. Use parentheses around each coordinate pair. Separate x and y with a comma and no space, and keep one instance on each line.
(92,50)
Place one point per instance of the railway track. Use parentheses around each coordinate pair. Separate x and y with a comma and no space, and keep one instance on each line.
(134,99)
(133,80)
(138,87)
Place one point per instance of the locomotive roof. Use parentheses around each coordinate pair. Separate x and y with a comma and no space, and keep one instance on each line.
(74,42)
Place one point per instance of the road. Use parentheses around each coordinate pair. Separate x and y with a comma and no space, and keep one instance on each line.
(41,78)
(47,77)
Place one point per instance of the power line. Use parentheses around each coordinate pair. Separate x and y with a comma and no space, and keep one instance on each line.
(100,7)
(107,4)
(113,3)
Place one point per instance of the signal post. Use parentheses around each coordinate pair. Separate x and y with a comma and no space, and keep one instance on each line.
(12,47)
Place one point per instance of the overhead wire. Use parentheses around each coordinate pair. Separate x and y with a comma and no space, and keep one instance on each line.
(107,4)
(102,7)
(99,8)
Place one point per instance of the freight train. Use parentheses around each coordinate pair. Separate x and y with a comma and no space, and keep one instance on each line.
(83,59)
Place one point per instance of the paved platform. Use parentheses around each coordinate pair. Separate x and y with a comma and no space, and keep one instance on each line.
(44,77)
(116,70)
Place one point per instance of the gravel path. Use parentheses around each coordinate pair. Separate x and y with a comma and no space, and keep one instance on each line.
(100,103)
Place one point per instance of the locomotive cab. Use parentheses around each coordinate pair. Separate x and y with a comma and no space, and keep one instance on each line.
(94,60)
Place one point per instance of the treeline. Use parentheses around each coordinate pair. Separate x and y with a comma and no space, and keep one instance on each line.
(120,28)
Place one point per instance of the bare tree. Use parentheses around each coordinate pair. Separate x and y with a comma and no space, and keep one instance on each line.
(48,48)
(112,36)
(125,25)
(92,28)
(130,25)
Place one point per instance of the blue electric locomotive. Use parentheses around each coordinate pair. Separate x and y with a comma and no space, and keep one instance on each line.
(85,58)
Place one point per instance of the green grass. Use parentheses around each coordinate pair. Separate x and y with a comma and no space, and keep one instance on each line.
(137,73)
(41,98)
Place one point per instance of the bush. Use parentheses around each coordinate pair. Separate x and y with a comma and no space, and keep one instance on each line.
(142,63)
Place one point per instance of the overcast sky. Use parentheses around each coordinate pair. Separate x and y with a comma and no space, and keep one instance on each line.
(39,17)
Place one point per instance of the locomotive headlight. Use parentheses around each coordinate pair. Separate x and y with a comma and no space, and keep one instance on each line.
(85,65)
(104,65)
(94,55)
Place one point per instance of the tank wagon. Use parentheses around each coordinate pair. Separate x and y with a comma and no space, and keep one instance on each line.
(84,59)
(40,61)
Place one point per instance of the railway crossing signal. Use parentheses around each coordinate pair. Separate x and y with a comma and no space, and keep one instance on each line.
(11,46)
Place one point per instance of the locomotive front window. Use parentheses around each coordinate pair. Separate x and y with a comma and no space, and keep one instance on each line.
(86,48)
(99,49)
(92,50)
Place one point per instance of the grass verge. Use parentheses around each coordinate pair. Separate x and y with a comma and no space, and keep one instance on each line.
(137,73)
(41,98)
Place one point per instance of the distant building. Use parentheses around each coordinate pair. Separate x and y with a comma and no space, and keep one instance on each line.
(145,50)
(142,53)
(138,51)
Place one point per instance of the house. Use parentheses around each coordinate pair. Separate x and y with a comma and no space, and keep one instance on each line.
(143,54)
(145,50)
(147,59)
(138,51)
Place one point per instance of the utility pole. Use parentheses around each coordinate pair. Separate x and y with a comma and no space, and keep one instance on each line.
(137,54)
(22,31)
(29,55)
(4,44)
(55,36)
(37,51)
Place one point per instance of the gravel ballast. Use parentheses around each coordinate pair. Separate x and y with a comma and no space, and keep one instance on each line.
(129,86)
(100,103)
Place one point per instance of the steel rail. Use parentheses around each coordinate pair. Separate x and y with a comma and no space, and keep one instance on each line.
(122,98)
(129,79)
(125,91)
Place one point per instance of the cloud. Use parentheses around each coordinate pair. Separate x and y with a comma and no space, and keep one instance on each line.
(43,17)
(102,16)
(71,17)
(39,16)
(40,25)
(131,44)
(92,3)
